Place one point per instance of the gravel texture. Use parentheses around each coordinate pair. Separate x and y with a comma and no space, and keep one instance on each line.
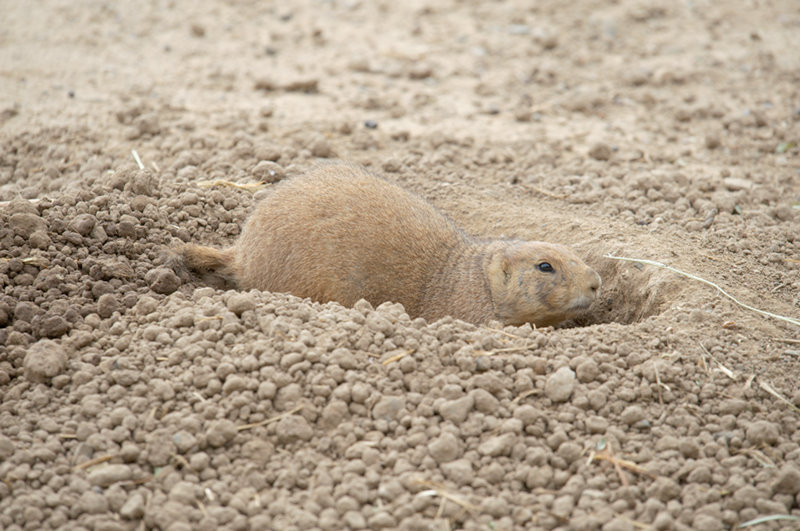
(132,397)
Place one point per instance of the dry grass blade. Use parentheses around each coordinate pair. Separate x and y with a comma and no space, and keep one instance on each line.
(502,350)
(771,390)
(396,357)
(770,518)
(437,489)
(623,463)
(92,462)
(762,459)
(137,159)
(787,340)
(250,187)
(270,420)
(526,394)
(791,320)
(722,368)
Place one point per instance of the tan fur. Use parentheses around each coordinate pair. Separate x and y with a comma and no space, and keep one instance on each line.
(338,233)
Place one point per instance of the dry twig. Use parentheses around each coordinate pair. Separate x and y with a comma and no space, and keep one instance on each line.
(791,320)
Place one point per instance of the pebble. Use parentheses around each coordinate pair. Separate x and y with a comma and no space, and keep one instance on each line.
(106,475)
(268,171)
(460,471)
(587,371)
(788,480)
(83,224)
(294,428)
(239,303)
(107,304)
(444,448)
(600,151)
(162,280)
(632,414)
(388,408)
(762,432)
(456,411)
(220,433)
(560,384)
(44,360)
(497,446)
(25,224)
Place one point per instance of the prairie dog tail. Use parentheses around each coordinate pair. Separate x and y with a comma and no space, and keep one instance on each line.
(213,266)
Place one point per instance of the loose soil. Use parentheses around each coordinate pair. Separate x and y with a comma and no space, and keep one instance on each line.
(133,398)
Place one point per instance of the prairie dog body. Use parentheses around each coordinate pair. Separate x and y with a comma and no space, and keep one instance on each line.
(339,233)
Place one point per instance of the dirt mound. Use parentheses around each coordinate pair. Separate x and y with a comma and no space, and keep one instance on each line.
(133,397)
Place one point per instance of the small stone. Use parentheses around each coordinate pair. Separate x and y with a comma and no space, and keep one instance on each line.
(596,424)
(735,184)
(354,520)
(268,171)
(83,224)
(459,471)
(382,520)
(184,441)
(44,360)
(560,384)
(762,432)
(133,508)
(788,481)
(485,402)
(183,492)
(713,141)
(689,448)
(162,280)
(664,488)
(456,411)
(220,433)
(388,408)
(320,147)
(108,474)
(632,414)
(239,303)
(497,446)
(294,428)
(444,448)
(39,240)
(378,323)
(234,383)
(600,151)
(25,224)
(107,304)
(587,371)
(91,502)
(6,447)
(53,326)
(707,522)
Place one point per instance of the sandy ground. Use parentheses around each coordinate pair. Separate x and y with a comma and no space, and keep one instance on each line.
(658,130)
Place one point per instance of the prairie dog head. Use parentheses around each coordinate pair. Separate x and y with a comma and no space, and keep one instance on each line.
(540,283)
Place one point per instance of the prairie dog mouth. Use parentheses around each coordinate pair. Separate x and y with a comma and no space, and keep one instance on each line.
(581,302)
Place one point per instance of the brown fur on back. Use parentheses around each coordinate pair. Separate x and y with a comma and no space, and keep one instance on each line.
(339,233)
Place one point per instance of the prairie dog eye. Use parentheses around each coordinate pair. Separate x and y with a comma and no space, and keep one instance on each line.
(545,267)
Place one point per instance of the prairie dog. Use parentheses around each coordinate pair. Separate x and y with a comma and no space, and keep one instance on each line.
(339,233)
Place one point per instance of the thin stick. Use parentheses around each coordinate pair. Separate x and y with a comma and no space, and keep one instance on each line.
(250,187)
(137,159)
(768,388)
(787,340)
(271,420)
(791,320)
(92,462)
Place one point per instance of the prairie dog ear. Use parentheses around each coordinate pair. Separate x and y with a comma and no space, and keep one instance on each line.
(500,267)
